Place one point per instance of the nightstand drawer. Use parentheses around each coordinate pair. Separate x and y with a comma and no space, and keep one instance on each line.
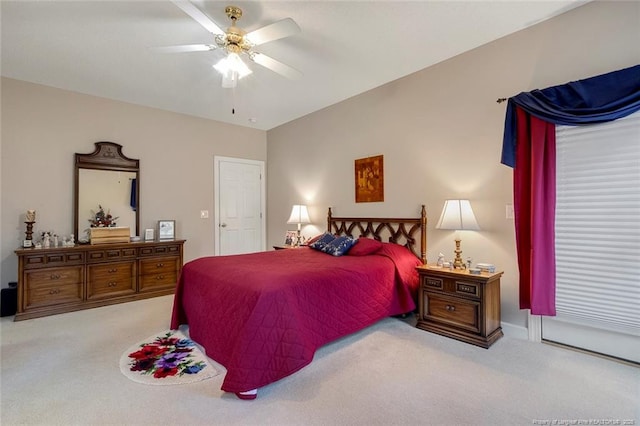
(467,288)
(433,283)
(457,312)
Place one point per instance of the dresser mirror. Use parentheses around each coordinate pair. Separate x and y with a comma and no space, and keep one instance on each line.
(106,178)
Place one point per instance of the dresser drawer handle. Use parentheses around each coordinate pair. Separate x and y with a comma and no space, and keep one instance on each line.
(112,284)
(112,270)
(160,265)
(450,308)
(55,277)
(159,277)
(54,291)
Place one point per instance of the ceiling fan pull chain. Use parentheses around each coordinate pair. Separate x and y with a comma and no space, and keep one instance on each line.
(233,101)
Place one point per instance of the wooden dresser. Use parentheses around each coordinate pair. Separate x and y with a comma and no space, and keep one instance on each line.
(460,305)
(63,279)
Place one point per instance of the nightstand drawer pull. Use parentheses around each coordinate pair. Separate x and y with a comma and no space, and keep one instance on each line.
(450,308)
(466,288)
(433,282)
(55,276)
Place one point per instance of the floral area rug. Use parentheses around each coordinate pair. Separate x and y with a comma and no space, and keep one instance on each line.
(169,358)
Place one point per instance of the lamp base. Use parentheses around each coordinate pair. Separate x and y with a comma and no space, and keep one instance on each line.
(457,262)
(298,241)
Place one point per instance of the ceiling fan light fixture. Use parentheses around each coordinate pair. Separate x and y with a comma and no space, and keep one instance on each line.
(229,80)
(232,69)
(235,41)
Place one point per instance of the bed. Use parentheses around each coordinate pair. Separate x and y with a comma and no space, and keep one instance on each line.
(263,315)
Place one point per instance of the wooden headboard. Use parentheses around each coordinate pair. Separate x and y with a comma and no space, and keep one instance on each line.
(398,231)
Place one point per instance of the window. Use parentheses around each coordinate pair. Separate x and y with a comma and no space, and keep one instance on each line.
(598,233)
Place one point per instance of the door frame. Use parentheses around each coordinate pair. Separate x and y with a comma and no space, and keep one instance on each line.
(216,197)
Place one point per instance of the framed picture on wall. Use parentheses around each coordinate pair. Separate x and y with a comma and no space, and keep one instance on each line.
(369,173)
(166,229)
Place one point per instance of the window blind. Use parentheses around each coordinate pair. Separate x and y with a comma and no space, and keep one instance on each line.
(598,224)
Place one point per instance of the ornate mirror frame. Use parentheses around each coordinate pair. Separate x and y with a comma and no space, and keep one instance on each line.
(107,156)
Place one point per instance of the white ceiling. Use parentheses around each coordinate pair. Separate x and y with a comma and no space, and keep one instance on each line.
(104,48)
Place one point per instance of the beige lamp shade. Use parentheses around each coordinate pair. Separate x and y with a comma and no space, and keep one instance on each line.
(299,214)
(457,215)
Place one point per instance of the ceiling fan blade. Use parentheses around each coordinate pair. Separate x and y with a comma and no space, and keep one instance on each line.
(275,66)
(185,48)
(198,16)
(275,31)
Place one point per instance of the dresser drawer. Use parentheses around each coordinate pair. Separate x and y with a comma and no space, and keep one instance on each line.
(159,265)
(111,254)
(53,286)
(452,311)
(168,249)
(159,273)
(161,281)
(52,259)
(111,279)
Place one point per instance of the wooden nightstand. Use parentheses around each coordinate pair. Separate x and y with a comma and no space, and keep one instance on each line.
(457,304)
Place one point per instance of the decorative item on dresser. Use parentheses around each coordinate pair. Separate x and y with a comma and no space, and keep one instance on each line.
(63,279)
(461,305)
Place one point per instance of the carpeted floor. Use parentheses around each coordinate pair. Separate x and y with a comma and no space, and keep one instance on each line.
(64,370)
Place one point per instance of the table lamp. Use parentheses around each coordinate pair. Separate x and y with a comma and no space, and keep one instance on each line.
(299,215)
(457,215)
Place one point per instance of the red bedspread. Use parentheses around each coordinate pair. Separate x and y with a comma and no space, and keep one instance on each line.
(263,315)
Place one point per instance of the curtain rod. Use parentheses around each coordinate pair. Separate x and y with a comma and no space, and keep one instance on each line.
(501,100)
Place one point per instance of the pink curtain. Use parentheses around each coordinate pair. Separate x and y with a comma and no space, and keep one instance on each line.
(534,188)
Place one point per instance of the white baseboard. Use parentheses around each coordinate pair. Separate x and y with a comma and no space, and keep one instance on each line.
(515,331)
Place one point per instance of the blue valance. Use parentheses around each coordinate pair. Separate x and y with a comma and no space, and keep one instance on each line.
(597,99)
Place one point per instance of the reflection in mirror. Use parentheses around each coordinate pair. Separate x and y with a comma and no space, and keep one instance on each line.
(109,189)
(107,178)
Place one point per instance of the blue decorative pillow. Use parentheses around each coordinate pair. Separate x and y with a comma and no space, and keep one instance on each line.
(322,242)
(339,246)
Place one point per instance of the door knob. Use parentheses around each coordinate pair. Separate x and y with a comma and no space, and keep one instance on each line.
(223,225)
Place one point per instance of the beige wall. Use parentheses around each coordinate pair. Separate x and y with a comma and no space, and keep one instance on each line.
(440,131)
(43,127)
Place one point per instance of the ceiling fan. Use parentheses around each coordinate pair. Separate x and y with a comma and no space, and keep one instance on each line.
(236,42)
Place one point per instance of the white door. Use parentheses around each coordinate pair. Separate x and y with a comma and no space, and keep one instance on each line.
(239,219)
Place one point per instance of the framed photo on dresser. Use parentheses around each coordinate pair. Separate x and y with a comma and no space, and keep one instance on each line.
(166,229)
